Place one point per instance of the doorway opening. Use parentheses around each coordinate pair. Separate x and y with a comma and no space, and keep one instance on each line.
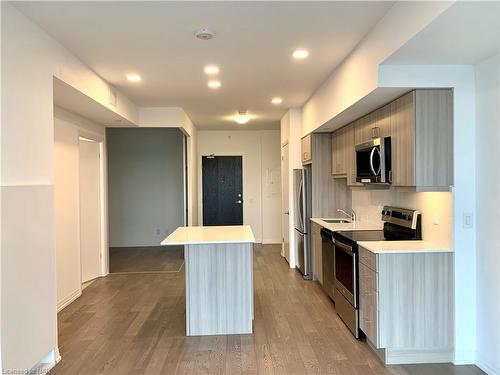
(222,184)
(147,198)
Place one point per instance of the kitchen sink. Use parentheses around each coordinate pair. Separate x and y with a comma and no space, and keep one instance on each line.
(336,221)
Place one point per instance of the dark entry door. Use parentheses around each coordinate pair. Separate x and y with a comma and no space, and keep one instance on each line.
(222,190)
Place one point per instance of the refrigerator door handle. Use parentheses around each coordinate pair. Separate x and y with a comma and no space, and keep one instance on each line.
(301,208)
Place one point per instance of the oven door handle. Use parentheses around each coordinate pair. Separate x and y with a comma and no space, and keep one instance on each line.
(345,248)
(372,154)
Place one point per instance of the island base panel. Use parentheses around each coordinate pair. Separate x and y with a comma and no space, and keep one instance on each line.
(219,289)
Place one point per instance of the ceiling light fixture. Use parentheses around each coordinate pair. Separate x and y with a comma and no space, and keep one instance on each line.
(277,100)
(242,117)
(214,84)
(300,54)
(133,77)
(204,34)
(211,69)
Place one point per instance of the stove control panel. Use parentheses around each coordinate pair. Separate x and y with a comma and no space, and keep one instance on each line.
(400,216)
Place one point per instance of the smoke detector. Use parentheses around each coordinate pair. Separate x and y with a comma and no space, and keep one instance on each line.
(204,34)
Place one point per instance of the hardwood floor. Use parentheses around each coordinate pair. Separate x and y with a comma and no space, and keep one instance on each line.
(135,324)
(146,259)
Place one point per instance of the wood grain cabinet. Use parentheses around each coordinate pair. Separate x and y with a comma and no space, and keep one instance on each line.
(317,253)
(306,146)
(340,152)
(406,305)
(422,139)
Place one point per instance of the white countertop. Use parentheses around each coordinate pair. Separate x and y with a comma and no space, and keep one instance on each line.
(212,234)
(384,246)
(357,225)
(403,247)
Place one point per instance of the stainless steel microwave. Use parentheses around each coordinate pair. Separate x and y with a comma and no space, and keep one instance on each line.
(373,161)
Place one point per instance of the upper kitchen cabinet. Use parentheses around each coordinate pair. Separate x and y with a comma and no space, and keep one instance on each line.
(340,140)
(306,147)
(343,154)
(376,124)
(422,139)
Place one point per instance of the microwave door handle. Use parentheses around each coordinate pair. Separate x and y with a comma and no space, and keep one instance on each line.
(372,154)
(371,161)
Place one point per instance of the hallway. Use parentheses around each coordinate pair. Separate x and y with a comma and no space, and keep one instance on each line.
(135,324)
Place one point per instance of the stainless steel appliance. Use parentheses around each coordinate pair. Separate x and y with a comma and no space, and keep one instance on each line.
(302,207)
(373,161)
(399,224)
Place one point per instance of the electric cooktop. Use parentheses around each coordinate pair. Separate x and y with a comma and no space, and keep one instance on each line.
(361,235)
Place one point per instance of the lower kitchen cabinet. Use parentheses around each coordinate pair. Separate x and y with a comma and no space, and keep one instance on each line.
(317,252)
(406,305)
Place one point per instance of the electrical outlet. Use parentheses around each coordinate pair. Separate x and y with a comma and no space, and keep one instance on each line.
(468,220)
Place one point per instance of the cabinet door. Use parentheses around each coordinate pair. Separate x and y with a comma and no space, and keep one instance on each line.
(306,149)
(339,159)
(317,253)
(403,140)
(368,299)
(350,155)
(383,122)
(366,128)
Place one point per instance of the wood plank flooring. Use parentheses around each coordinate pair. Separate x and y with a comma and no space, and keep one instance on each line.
(135,324)
(146,259)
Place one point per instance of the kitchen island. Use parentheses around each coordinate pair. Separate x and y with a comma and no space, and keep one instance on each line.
(219,278)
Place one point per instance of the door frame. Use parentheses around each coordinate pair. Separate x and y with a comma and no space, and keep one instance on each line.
(200,181)
(103,203)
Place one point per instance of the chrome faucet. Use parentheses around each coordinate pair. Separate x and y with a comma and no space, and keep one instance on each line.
(352,215)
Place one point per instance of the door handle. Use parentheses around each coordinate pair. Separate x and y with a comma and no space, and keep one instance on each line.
(239,202)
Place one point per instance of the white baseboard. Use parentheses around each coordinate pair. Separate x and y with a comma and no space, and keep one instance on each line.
(67,300)
(47,363)
(464,357)
(488,368)
(271,242)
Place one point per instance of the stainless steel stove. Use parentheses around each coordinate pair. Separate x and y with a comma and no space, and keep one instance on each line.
(342,282)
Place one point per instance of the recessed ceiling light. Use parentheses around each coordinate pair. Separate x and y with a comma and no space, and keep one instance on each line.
(242,117)
(211,69)
(277,100)
(214,84)
(300,54)
(133,77)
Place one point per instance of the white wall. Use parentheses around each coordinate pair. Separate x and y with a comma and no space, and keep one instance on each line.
(68,127)
(488,218)
(30,60)
(146,186)
(261,152)
(271,186)
(291,123)
(436,209)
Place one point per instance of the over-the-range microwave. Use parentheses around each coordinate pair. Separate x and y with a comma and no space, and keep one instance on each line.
(373,161)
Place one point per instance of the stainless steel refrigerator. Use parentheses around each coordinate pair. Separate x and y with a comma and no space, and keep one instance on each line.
(302,215)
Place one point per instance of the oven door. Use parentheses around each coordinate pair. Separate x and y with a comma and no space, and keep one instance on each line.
(346,272)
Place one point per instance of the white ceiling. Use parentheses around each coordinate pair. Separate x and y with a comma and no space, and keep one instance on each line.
(466,33)
(253,49)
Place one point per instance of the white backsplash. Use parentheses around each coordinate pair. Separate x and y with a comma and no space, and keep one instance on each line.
(436,209)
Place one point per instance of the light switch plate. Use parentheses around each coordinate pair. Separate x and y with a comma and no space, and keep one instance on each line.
(468,220)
